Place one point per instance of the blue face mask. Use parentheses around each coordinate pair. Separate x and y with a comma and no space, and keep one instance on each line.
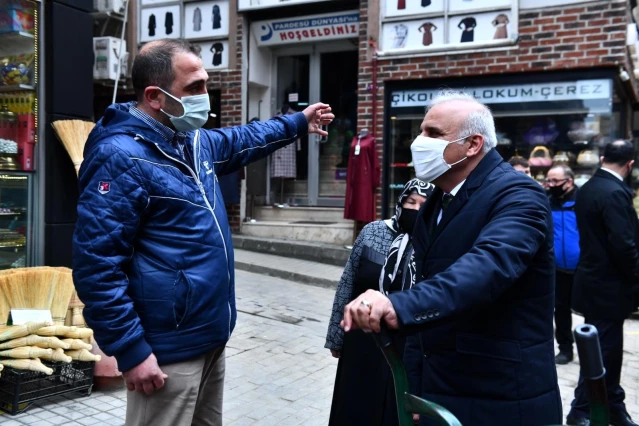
(196,112)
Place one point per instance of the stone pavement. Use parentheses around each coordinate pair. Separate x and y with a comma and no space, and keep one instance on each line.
(278,372)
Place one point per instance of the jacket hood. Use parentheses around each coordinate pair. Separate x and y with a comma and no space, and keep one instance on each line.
(117,120)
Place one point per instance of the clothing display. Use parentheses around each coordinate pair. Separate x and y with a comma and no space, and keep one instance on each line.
(217,19)
(401,4)
(197,19)
(217,49)
(427,28)
(401,33)
(152,25)
(363,176)
(283,161)
(468,26)
(168,22)
(500,23)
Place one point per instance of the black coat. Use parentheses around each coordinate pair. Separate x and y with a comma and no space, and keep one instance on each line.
(608,269)
(484,301)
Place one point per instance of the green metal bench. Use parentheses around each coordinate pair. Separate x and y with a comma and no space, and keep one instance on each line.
(592,370)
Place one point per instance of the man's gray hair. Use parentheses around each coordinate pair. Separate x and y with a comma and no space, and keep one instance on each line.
(477,123)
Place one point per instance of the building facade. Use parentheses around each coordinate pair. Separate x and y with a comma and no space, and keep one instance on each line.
(558,74)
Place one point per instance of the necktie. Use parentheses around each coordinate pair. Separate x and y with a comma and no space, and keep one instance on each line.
(446,201)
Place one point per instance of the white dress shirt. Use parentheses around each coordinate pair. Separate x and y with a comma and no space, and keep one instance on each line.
(615,174)
(454,192)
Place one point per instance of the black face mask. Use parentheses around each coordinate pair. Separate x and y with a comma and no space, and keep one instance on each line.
(556,191)
(407,220)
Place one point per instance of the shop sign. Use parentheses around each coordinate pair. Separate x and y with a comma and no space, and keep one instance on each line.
(330,26)
(265,4)
(517,93)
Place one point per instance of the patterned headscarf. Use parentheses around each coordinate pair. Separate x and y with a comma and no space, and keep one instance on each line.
(398,247)
(412,186)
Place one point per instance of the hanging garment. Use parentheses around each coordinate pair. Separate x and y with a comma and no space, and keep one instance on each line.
(401,33)
(468,30)
(152,25)
(168,22)
(283,161)
(197,19)
(401,4)
(217,19)
(217,49)
(500,23)
(425,3)
(427,28)
(362,177)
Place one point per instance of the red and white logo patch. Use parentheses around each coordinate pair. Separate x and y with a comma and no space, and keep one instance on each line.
(104,187)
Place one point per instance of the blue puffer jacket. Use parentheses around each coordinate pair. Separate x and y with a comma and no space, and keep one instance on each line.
(152,254)
(566,233)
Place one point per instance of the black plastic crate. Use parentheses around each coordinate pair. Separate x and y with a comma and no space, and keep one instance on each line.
(20,388)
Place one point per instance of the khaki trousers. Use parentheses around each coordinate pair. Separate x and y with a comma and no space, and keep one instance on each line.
(192,395)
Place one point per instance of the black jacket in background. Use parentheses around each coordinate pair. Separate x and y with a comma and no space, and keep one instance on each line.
(609,240)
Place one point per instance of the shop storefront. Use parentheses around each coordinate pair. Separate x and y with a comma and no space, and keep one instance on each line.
(19,66)
(295,62)
(546,118)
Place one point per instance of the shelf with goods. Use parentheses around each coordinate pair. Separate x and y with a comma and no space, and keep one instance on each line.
(19,38)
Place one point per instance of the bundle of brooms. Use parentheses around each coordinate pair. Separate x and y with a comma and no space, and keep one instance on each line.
(23,346)
(73,134)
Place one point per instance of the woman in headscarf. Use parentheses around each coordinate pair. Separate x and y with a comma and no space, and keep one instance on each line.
(360,398)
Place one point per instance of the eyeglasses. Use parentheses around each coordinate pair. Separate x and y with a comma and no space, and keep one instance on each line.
(555,182)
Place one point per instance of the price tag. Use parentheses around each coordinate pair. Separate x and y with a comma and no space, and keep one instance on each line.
(23,316)
(357,149)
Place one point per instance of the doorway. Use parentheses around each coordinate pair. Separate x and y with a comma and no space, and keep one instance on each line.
(312,171)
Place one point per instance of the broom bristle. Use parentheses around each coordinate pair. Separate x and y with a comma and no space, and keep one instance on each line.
(73,134)
(63,290)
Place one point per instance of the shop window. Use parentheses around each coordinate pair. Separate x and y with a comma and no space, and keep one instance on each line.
(565,123)
(432,25)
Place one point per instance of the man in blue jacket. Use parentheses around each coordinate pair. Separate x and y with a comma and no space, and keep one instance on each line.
(483,302)
(563,193)
(152,255)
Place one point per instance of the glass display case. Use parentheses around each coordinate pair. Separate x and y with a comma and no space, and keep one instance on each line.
(18,128)
(16,201)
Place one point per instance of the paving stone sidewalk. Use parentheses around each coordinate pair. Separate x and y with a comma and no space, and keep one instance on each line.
(278,372)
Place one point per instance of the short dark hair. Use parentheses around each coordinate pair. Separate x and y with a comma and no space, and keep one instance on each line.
(518,161)
(568,173)
(619,152)
(153,66)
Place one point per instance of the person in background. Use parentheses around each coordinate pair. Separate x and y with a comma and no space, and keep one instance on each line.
(152,253)
(560,181)
(520,164)
(484,297)
(364,390)
(607,276)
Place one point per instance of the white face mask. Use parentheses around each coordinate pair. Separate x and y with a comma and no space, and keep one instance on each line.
(428,157)
(196,112)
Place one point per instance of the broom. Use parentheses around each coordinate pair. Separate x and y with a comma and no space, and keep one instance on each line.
(83,355)
(34,340)
(73,134)
(55,330)
(27,364)
(26,352)
(79,333)
(14,331)
(77,344)
(61,291)
(57,355)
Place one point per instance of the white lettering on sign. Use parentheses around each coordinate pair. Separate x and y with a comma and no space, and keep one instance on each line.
(542,92)
(310,28)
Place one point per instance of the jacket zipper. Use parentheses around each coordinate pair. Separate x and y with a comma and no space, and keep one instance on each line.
(203,192)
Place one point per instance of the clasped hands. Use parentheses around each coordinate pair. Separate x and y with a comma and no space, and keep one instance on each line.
(367,311)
